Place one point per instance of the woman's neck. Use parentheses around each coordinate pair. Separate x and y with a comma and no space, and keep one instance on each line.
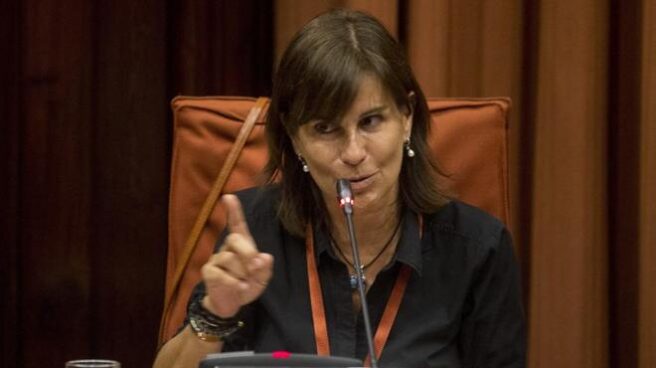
(373,228)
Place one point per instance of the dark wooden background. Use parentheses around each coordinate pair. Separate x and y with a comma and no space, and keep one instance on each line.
(85,141)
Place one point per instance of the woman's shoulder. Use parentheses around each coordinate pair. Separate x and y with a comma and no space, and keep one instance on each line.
(462,219)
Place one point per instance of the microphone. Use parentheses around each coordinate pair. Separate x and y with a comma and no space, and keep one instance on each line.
(345,197)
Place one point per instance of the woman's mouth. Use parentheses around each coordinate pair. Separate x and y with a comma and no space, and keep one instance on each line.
(360,183)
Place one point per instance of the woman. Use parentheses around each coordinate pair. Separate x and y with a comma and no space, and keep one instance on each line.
(346,105)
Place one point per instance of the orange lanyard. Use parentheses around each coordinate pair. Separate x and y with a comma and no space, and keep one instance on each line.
(319,314)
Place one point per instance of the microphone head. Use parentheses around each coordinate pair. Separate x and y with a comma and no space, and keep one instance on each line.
(344,193)
(343,187)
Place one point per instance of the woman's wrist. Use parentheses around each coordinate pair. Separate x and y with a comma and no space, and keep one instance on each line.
(206,303)
(207,325)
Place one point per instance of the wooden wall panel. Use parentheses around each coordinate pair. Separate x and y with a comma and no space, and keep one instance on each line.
(130,152)
(623,180)
(569,298)
(428,44)
(647,264)
(444,42)
(290,16)
(55,174)
(221,47)
(10,102)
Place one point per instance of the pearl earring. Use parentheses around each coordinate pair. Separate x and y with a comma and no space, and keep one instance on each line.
(304,164)
(408,151)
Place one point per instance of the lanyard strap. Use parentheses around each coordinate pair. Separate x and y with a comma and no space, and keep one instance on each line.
(389,315)
(317,306)
(316,297)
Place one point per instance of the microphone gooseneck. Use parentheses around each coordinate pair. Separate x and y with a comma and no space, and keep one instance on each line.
(345,197)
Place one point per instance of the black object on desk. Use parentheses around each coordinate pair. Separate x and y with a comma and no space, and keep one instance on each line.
(275,359)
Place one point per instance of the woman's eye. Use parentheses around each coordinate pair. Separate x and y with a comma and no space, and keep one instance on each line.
(324,128)
(372,120)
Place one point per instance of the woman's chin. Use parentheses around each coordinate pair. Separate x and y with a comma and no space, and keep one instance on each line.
(365,202)
(373,202)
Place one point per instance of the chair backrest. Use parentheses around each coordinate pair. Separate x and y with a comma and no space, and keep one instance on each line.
(468,138)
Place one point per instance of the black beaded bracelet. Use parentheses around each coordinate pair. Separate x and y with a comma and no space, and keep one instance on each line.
(208,326)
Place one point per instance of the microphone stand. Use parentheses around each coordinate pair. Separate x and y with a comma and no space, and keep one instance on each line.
(346,202)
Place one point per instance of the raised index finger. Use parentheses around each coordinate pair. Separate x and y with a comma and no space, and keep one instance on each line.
(236,221)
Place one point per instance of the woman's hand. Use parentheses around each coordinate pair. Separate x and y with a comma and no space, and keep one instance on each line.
(238,273)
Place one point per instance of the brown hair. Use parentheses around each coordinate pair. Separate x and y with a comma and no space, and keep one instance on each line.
(318,78)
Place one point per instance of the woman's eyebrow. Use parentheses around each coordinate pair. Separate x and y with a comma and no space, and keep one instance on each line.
(375,110)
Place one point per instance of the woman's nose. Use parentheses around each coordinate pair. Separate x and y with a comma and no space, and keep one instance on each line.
(353,150)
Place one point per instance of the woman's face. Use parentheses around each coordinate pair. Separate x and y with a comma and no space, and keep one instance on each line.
(365,147)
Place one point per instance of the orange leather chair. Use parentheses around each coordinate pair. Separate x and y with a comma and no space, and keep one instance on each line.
(468,138)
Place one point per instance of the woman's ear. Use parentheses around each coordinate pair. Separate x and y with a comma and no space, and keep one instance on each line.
(412,100)
(407,124)
(295,144)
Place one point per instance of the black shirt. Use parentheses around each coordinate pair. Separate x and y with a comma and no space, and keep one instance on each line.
(461,308)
